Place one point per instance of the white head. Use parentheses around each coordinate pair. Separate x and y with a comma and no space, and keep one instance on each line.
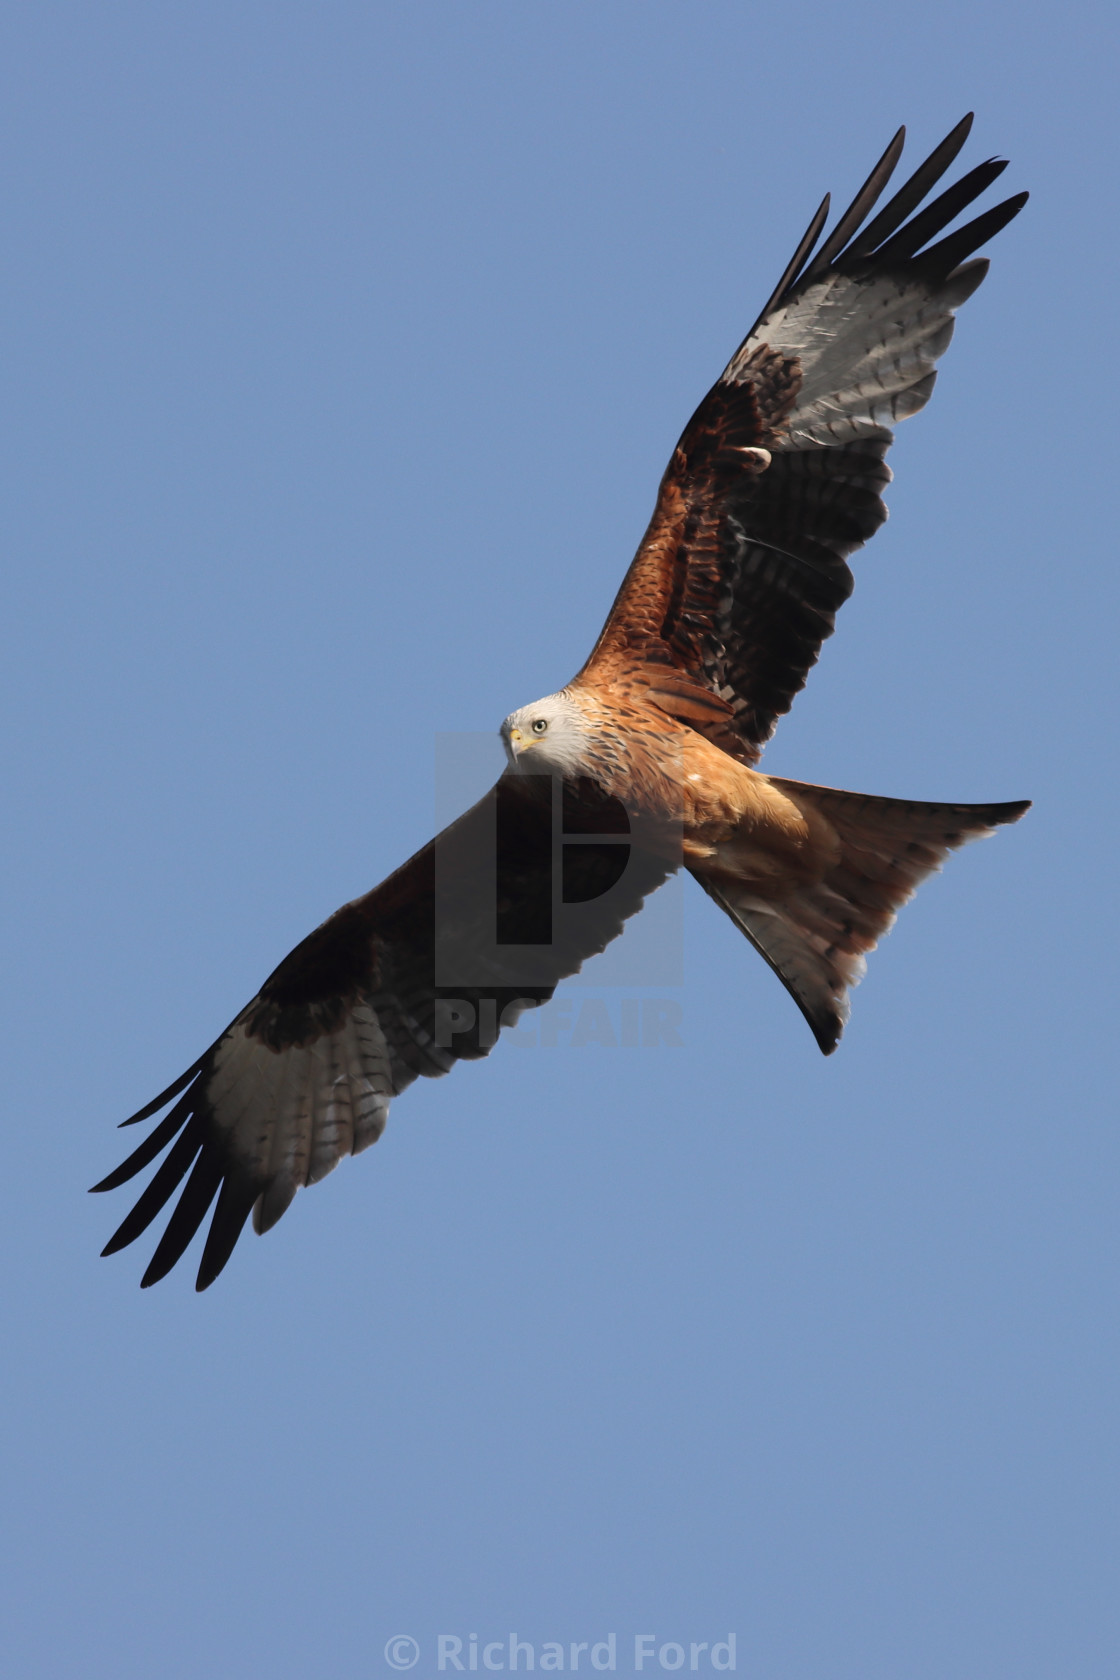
(549,737)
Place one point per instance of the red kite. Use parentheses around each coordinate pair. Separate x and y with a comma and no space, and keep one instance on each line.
(775,482)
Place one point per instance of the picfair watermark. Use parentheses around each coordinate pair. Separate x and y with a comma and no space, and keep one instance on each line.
(612,1023)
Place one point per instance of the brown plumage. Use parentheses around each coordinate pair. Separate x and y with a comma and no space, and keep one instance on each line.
(643,764)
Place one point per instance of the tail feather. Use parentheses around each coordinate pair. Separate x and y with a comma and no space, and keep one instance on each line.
(815,935)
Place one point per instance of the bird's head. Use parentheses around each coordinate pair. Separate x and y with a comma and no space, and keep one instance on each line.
(548,737)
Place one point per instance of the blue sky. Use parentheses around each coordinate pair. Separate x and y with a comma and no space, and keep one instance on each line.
(344,346)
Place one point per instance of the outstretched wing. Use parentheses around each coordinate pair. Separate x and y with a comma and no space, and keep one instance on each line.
(777,477)
(420,973)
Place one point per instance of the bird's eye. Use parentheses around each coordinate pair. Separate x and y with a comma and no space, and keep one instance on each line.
(539,726)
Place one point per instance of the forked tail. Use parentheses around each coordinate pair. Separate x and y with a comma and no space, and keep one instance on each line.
(815,936)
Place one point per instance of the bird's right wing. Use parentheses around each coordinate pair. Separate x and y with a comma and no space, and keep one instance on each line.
(420,973)
(777,477)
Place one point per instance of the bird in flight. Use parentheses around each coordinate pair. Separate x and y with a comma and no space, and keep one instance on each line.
(643,764)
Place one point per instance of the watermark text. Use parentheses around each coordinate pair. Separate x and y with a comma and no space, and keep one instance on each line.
(641,1653)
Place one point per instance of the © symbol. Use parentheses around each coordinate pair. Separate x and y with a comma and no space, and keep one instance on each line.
(402,1651)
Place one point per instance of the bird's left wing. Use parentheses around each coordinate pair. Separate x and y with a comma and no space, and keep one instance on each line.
(777,477)
(420,973)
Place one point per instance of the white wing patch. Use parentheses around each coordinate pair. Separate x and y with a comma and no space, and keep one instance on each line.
(867,349)
(289,1116)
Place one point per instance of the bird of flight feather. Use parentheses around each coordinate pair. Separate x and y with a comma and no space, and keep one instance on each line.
(775,482)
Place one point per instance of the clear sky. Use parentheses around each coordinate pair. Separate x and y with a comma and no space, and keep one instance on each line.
(344,345)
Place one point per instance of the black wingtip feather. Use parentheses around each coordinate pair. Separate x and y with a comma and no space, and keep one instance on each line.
(187,1216)
(911,193)
(151,1146)
(797,261)
(945,256)
(850,221)
(235,1203)
(889,238)
(159,1192)
(937,215)
(165,1096)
